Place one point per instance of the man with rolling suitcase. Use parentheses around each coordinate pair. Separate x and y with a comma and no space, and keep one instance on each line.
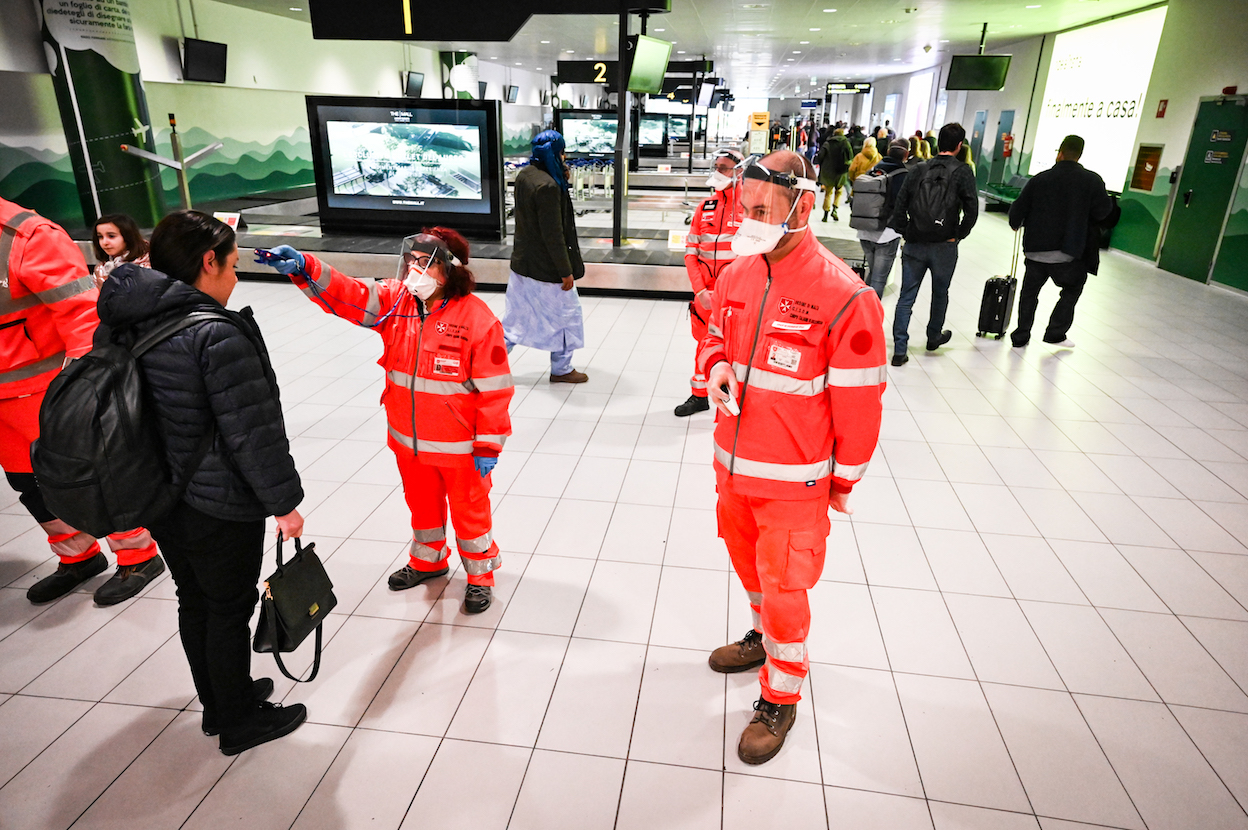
(1059,210)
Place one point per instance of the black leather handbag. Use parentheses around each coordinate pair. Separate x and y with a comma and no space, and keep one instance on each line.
(297,598)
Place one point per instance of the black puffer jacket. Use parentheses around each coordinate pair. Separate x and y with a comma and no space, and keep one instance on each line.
(214,371)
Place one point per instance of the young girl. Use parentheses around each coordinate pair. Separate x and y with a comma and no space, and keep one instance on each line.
(117,240)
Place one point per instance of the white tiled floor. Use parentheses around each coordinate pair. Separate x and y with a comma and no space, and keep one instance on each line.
(1036,618)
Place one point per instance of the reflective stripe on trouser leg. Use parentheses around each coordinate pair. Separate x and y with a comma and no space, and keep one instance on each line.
(428,557)
(69,544)
(469,497)
(425,494)
(697,383)
(132,547)
(756,606)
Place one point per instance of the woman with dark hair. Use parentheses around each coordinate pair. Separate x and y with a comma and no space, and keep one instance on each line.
(215,396)
(448,385)
(116,240)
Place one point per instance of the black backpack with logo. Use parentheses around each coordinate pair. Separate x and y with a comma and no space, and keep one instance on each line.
(935,201)
(99,459)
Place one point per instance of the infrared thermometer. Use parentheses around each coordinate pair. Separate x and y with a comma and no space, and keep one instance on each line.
(731,403)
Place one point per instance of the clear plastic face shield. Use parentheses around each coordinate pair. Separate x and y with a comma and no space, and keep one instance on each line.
(769,201)
(419,253)
(724,170)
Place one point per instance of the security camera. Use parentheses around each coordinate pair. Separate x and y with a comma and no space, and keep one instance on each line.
(927,48)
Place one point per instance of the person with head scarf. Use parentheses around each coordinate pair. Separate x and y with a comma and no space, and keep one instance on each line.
(543,310)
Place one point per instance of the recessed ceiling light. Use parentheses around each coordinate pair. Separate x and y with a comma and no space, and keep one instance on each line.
(797,51)
(790,60)
(519,64)
(293,9)
(571,51)
(1034,7)
(660,30)
(803,42)
(680,51)
(828,11)
(545,41)
(944,41)
(814,30)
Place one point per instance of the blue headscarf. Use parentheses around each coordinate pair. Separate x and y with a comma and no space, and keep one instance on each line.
(548,145)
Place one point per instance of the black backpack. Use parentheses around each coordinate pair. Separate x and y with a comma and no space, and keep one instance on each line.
(871,207)
(935,202)
(99,459)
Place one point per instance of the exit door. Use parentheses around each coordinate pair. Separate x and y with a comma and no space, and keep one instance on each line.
(1206,185)
(1005,126)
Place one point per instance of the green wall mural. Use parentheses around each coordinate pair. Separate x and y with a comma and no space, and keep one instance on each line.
(240,168)
(1142,214)
(1232,265)
(42,180)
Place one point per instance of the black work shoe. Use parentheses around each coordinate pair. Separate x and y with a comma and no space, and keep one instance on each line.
(692,405)
(835,218)
(66,579)
(128,581)
(743,655)
(408,577)
(268,722)
(945,337)
(261,689)
(765,735)
(477,598)
(825,216)
(900,359)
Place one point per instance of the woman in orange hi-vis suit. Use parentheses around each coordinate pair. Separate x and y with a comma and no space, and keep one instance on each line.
(448,385)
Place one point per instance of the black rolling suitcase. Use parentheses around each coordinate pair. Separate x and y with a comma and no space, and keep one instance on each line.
(997,306)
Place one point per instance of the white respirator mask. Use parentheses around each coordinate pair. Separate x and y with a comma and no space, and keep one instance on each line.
(417,279)
(419,282)
(718,181)
(756,237)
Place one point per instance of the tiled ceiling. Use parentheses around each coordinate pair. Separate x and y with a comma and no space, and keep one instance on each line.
(776,47)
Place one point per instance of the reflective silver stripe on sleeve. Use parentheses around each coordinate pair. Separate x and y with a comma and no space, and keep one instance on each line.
(479,567)
(428,554)
(867,376)
(481,544)
(782,681)
(444,447)
(849,472)
(400,437)
(714,330)
(429,534)
(372,306)
(431,387)
(8,305)
(788,652)
(693,238)
(775,382)
(326,277)
(771,470)
(32,369)
(493,384)
(492,439)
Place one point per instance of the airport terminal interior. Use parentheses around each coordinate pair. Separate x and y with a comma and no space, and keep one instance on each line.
(1036,616)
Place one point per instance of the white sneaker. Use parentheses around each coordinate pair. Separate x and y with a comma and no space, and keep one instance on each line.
(1065,344)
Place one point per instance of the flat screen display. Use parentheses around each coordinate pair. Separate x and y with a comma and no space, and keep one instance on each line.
(1098,77)
(587,132)
(705,93)
(383,162)
(415,83)
(678,127)
(513,92)
(978,72)
(650,57)
(203,60)
(652,131)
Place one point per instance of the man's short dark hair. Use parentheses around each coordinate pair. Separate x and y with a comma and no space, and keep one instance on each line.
(951,135)
(1071,148)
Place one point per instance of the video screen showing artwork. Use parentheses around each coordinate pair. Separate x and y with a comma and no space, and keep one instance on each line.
(438,160)
(588,133)
(652,130)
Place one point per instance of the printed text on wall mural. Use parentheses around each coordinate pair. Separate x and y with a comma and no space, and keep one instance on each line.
(1093,109)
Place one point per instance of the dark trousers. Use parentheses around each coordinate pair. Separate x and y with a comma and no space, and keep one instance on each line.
(880,258)
(917,258)
(1068,276)
(215,564)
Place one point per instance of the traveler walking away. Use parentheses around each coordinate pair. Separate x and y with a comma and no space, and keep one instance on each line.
(856,138)
(964,156)
(833,160)
(867,158)
(795,360)
(1060,211)
(708,250)
(117,239)
(448,385)
(876,194)
(214,377)
(936,208)
(543,310)
(47,318)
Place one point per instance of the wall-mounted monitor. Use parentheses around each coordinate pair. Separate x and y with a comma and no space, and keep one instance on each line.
(203,60)
(395,164)
(513,92)
(705,93)
(587,132)
(978,72)
(717,97)
(649,64)
(413,84)
(678,127)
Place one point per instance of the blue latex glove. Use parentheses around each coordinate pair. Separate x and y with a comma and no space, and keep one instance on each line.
(284,259)
(484,465)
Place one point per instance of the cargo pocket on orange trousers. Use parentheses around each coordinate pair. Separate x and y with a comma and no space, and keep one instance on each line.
(805,560)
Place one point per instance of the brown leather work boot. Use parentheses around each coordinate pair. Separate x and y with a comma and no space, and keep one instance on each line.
(743,655)
(763,738)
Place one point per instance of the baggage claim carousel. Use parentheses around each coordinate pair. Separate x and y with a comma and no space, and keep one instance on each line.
(645,266)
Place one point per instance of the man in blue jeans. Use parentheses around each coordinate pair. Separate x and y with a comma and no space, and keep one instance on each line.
(932,199)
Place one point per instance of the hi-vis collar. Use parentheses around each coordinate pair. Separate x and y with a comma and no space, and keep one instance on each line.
(755,170)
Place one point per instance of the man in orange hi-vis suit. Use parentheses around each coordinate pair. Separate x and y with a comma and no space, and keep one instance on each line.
(47,318)
(795,361)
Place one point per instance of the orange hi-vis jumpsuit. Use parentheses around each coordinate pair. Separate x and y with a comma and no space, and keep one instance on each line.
(47,315)
(805,339)
(708,251)
(448,386)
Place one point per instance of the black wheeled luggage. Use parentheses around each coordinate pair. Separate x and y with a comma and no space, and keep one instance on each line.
(997,306)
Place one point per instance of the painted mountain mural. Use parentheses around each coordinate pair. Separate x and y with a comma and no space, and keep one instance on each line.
(42,180)
(240,168)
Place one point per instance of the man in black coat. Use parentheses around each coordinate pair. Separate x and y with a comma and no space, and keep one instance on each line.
(1061,209)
